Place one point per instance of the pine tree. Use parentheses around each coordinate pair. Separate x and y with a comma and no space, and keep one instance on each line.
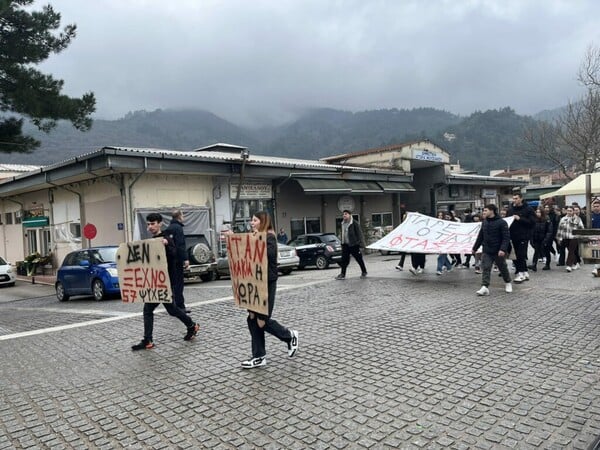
(27,38)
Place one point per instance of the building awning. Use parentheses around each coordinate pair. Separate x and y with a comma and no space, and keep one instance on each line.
(392,186)
(39,221)
(321,186)
(364,187)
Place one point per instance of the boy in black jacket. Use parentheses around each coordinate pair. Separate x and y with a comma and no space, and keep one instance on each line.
(495,238)
(154,221)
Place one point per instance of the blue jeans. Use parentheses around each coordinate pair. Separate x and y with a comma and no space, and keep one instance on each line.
(443,261)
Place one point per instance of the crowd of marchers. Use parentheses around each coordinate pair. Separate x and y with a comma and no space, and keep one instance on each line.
(548,230)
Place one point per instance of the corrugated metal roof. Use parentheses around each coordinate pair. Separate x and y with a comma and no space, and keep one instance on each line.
(256,159)
(18,167)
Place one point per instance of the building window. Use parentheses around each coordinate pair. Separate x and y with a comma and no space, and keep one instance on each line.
(305,225)
(46,242)
(453,191)
(245,210)
(381,219)
(8,218)
(75,229)
(18,217)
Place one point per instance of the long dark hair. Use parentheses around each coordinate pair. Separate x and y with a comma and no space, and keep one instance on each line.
(265,220)
(542,215)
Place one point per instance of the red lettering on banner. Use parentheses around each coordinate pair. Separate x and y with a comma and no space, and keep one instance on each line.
(241,268)
(234,241)
(144,277)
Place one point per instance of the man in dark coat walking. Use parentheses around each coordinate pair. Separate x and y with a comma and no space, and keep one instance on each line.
(495,239)
(175,232)
(520,234)
(352,241)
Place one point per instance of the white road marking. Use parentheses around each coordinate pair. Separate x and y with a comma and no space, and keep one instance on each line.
(121,316)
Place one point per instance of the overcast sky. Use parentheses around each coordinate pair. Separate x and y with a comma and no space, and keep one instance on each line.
(263,61)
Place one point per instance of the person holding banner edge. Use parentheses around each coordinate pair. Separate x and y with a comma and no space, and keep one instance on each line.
(258,323)
(153,222)
(494,238)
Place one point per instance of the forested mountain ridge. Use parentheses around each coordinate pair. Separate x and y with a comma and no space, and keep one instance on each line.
(482,141)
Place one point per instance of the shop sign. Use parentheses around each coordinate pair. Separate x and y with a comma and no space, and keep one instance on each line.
(489,193)
(426,155)
(252,191)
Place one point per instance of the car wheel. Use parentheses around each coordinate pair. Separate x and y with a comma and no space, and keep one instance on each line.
(210,276)
(322,262)
(60,293)
(200,253)
(286,271)
(98,290)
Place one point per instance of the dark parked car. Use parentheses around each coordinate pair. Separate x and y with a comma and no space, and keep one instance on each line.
(90,271)
(317,249)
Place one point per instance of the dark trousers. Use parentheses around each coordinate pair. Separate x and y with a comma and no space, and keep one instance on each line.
(176,276)
(402,258)
(271,326)
(171,308)
(417,260)
(520,247)
(539,250)
(353,250)
(571,246)
(486,268)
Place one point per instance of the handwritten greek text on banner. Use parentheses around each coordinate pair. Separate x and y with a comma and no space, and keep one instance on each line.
(423,234)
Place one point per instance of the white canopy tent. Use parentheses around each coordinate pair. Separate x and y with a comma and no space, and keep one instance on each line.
(577,186)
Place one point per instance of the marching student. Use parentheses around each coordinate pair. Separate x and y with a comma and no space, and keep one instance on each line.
(259,323)
(494,238)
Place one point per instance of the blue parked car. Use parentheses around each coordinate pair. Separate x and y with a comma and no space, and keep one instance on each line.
(90,271)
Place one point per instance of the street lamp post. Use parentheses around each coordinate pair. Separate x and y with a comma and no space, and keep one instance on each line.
(244,154)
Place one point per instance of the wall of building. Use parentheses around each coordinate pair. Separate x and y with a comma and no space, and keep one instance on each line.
(158,190)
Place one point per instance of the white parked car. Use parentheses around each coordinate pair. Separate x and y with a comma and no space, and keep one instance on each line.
(7,273)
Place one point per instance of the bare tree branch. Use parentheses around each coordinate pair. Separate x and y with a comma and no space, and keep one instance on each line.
(589,71)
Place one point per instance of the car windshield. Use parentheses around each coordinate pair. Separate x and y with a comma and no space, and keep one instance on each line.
(3,262)
(105,255)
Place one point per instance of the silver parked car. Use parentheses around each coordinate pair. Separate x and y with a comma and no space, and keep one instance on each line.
(287,260)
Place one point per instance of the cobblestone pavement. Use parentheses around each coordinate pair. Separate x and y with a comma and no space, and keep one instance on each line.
(392,361)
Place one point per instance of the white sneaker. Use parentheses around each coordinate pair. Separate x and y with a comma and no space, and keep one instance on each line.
(525,276)
(254,362)
(519,278)
(508,288)
(569,268)
(413,271)
(576,266)
(439,272)
(483,291)
(293,344)
(399,267)
(419,270)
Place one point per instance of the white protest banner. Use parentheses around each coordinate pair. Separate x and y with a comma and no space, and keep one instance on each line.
(143,272)
(423,234)
(248,267)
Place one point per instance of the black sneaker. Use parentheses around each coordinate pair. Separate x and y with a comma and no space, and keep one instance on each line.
(191,332)
(363,275)
(340,277)
(293,344)
(144,345)
(254,362)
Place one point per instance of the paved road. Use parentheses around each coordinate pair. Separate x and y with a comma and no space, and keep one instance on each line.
(393,361)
